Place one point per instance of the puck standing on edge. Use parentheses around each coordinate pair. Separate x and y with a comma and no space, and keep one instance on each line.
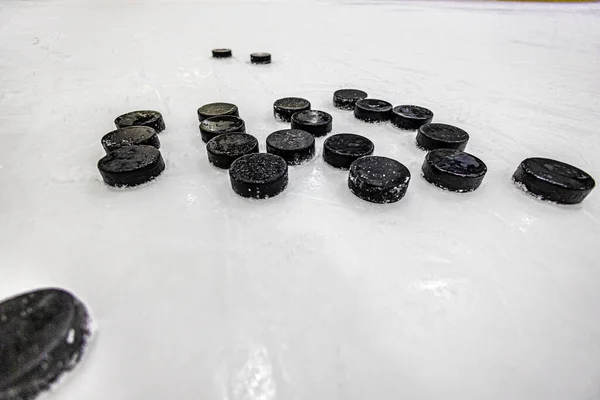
(221,53)
(441,136)
(128,136)
(260,58)
(295,146)
(317,123)
(131,165)
(372,110)
(341,150)
(345,99)
(410,117)
(224,149)
(259,175)
(283,109)
(453,170)
(378,179)
(150,118)
(217,109)
(215,126)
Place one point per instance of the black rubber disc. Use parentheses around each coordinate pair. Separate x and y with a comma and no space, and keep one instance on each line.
(554,180)
(217,109)
(283,109)
(411,117)
(441,136)
(215,126)
(378,179)
(131,165)
(152,119)
(224,149)
(43,335)
(259,175)
(260,58)
(453,170)
(293,145)
(221,53)
(317,123)
(343,149)
(373,110)
(345,99)
(131,135)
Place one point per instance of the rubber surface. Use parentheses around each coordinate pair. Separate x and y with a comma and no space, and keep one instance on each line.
(224,149)
(372,110)
(341,150)
(150,118)
(260,58)
(453,170)
(128,136)
(131,165)
(410,117)
(345,99)
(378,179)
(217,109)
(317,123)
(221,53)
(295,146)
(441,136)
(259,176)
(284,108)
(215,126)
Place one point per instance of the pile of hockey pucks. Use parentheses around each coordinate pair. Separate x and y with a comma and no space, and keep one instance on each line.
(255,58)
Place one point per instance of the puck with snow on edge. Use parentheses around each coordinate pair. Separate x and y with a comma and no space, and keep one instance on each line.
(260,58)
(224,149)
(441,136)
(259,176)
(295,146)
(150,118)
(341,150)
(217,109)
(410,117)
(215,126)
(372,110)
(453,170)
(131,165)
(317,123)
(221,53)
(345,99)
(130,136)
(284,108)
(378,179)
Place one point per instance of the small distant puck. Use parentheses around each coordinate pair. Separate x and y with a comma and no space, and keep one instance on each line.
(345,99)
(283,109)
(260,58)
(441,136)
(152,119)
(259,175)
(221,53)
(293,145)
(317,123)
(378,179)
(217,109)
(44,334)
(453,170)
(341,150)
(224,149)
(553,180)
(411,117)
(131,165)
(215,126)
(372,110)
(130,136)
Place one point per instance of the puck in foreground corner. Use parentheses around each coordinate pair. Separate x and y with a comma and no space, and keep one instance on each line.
(441,136)
(295,146)
(283,109)
(411,117)
(150,118)
(215,126)
(44,334)
(259,175)
(224,149)
(130,136)
(372,110)
(221,53)
(378,179)
(216,109)
(341,150)
(260,58)
(345,99)
(554,180)
(453,170)
(317,123)
(131,165)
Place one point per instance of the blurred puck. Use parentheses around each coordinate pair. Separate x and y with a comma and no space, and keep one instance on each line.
(453,170)
(224,149)
(215,126)
(283,109)
(378,179)
(131,165)
(259,175)
(410,117)
(221,53)
(217,109)
(372,110)
(152,119)
(128,136)
(345,99)
(441,136)
(260,58)
(343,149)
(293,145)
(317,123)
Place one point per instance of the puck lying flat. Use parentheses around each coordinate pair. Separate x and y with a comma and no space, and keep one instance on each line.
(317,123)
(378,179)
(345,99)
(343,149)
(554,180)
(215,126)
(131,165)
(372,110)
(44,334)
(260,58)
(410,117)
(283,109)
(224,149)
(441,136)
(293,145)
(128,136)
(221,53)
(259,175)
(152,119)
(453,170)
(217,109)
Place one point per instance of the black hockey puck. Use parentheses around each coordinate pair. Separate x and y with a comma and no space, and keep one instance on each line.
(343,149)
(224,149)
(128,136)
(317,123)
(411,117)
(221,53)
(345,99)
(453,170)
(43,335)
(217,109)
(553,180)
(259,175)
(131,165)
(293,145)
(283,109)
(378,179)
(372,110)
(441,136)
(215,126)
(152,119)
(260,58)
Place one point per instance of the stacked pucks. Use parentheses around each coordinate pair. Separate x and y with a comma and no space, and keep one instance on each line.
(131,165)
(345,99)
(221,53)
(215,126)
(317,123)
(295,146)
(454,170)
(553,180)
(410,117)
(441,136)
(224,149)
(152,119)
(378,179)
(130,136)
(372,110)
(217,109)
(259,176)
(341,150)
(44,335)
(284,108)
(260,58)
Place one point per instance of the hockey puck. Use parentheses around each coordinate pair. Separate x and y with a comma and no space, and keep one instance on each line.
(131,165)
(410,117)
(130,136)
(553,180)
(283,109)
(152,119)
(378,179)
(453,170)
(372,110)
(345,99)
(317,123)
(44,334)
(215,126)
(293,145)
(441,136)
(259,175)
(217,109)
(343,149)
(260,58)
(221,53)
(224,149)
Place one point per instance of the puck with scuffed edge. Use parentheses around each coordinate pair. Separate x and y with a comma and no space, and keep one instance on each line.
(372,110)
(215,126)
(224,149)
(131,165)
(259,175)
(221,53)
(410,117)
(283,109)
(441,136)
(43,335)
(378,179)
(553,180)
(317,123)
(345,99)
(216,109)
(152,119)
(260,58)
(341,150)
(130,136)
(453,170)
(295,146)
